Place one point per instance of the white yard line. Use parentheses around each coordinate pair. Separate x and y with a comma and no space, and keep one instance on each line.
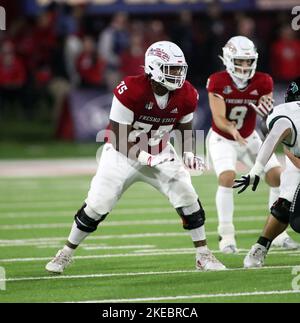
(118,223)
(13,204)
(136,211)
(241,251)
(172,272)
(68,201)
(90,247)
(36,207)
(51,277)
(37,241)
(33,242)
(199,296)
(33,259)
(100,246)
(137,253)
(47,167)
(51,240)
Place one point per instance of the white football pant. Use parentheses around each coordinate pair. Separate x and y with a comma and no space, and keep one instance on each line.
(116,173)
(289,180)
(225,153)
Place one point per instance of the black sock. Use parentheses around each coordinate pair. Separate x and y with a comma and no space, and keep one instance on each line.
(264,242)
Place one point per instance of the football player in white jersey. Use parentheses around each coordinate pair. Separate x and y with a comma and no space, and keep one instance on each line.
(236,96)
(283,123)
(145,108)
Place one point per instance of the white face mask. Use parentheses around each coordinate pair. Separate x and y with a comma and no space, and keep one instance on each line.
(244,72)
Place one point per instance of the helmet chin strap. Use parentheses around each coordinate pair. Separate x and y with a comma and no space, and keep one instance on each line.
(240,83)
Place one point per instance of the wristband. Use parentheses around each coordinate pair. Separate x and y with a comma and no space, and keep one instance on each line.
(144,158)
(257,169)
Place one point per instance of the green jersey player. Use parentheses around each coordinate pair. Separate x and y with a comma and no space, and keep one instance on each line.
(283,123)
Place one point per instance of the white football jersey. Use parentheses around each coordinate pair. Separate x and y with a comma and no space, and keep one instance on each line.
(290,111)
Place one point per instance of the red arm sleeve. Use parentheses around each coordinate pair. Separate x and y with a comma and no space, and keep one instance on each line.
(191,98)
(124,92)
(213,85)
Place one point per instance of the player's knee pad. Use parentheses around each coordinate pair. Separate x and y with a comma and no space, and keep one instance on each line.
(295,211)
(281,210)
(86,223)
(192,220)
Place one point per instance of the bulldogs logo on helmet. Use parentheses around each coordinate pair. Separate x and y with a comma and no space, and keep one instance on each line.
(240,47)
(165,63)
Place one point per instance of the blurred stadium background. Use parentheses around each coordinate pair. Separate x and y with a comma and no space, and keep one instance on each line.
(60,60)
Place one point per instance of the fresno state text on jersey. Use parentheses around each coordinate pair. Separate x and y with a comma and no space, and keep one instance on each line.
(136,94)
(237,101)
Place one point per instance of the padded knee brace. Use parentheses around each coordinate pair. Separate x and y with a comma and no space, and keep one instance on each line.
(295,211)
(281,210)
(193,220)
(85,223)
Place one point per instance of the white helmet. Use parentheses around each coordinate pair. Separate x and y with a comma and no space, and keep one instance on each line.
(239,47)
(165,64)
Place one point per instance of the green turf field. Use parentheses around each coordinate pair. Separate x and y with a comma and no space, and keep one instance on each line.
(140,253)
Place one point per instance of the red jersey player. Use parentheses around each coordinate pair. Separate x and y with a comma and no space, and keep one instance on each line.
(144,110)
(236,96)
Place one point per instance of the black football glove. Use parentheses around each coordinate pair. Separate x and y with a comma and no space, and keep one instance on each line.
(245,181)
